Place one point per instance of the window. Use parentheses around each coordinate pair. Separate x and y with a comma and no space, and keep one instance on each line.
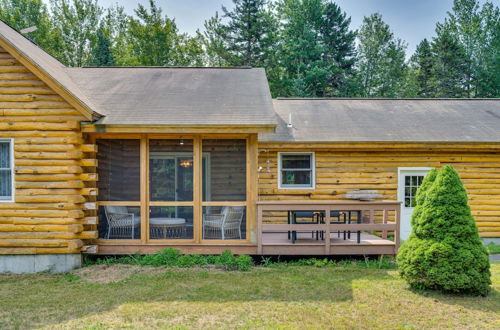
(412,183)
(6,170)
(296,170)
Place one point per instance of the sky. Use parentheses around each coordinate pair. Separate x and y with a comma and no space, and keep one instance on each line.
(410,20)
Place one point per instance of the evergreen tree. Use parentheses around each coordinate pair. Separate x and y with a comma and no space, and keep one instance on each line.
(449,65)
(101,53)
(474,28)
(382,67)
(249,33)
(444,251)
(340,50)
(317,52)
(422,63)
(213,39)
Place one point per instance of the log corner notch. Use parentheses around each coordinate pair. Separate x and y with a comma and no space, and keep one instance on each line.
(54,168)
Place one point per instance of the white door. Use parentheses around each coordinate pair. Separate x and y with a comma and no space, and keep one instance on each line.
(409,179)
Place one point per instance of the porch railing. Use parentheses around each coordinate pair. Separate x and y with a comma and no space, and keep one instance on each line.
(366,209)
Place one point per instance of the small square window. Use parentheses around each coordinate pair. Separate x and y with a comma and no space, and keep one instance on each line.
(296,170)
(6,170)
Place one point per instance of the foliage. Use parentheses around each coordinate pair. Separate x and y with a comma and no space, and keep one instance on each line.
(382,67)
(306,46)
(493,248)
(316,49)
(249,34)
(102,54)
(444,251)
(172,258)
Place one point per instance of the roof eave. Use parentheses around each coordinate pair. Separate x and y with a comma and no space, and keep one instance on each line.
(168,128)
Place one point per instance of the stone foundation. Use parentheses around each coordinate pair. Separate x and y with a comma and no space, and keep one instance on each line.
(30,264)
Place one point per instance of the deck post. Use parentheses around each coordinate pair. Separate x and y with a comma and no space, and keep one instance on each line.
(259,229)
(396,232)
(384,221)
(327,230)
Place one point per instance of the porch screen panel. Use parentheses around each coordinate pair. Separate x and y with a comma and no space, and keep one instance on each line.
(118,170)
(224,170)
(171,170)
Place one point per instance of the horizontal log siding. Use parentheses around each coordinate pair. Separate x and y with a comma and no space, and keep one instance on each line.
(348,166)
(50,174)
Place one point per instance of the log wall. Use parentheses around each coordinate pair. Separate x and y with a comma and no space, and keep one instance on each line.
(344,167)
(52,177)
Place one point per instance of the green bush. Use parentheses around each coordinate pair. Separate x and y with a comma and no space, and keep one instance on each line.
(444,251)
(243,262)
(172,258)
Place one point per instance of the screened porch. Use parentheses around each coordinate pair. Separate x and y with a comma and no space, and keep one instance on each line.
(171,190)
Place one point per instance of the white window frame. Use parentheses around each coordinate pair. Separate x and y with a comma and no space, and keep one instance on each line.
(401,184)
(12,190)
(297,187)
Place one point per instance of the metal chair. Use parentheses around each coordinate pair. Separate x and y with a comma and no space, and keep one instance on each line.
(227,223)
(121,222)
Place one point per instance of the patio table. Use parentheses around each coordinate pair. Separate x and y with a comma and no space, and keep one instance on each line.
(167,227)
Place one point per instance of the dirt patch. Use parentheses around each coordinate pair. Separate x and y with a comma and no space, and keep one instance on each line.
(113,273)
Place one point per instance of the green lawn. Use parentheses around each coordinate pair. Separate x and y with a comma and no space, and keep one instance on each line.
(493,248)
(286,296)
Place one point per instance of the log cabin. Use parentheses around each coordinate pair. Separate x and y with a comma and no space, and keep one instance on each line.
(133,160)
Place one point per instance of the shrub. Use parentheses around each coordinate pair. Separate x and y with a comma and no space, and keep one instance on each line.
(444,251)
(243,262)
(227,260)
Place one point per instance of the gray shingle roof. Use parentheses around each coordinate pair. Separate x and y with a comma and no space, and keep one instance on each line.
(404,120)
(178,96)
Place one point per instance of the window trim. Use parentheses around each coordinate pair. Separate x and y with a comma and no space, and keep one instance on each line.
(12,178)
(312,186)
(407,170)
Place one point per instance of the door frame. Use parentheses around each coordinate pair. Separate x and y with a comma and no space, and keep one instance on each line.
(401,185)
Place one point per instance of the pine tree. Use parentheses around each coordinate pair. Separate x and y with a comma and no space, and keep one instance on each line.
(101,53)
(249,33)
(422,62)
(444,251)
(340,50)
(450,65)
(213,39)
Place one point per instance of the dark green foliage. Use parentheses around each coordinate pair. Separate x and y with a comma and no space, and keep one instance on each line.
(101,54)
(316,49)
(444,251)
(423,63)
(450,65)
(306,46)
(172,258)
(249,33)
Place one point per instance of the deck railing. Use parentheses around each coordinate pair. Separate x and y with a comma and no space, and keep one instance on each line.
(367,211)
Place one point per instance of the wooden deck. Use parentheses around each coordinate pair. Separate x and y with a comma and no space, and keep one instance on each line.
(278,244)
(273,238)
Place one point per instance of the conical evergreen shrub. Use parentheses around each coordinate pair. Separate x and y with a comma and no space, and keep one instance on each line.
(444,251)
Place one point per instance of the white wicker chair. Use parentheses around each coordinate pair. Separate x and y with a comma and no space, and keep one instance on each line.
(121,223)
(225,225)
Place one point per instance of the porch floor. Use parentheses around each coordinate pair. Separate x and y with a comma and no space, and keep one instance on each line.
(278,243)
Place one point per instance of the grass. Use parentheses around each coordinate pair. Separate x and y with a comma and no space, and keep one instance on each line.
(284,295)
(493,248)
